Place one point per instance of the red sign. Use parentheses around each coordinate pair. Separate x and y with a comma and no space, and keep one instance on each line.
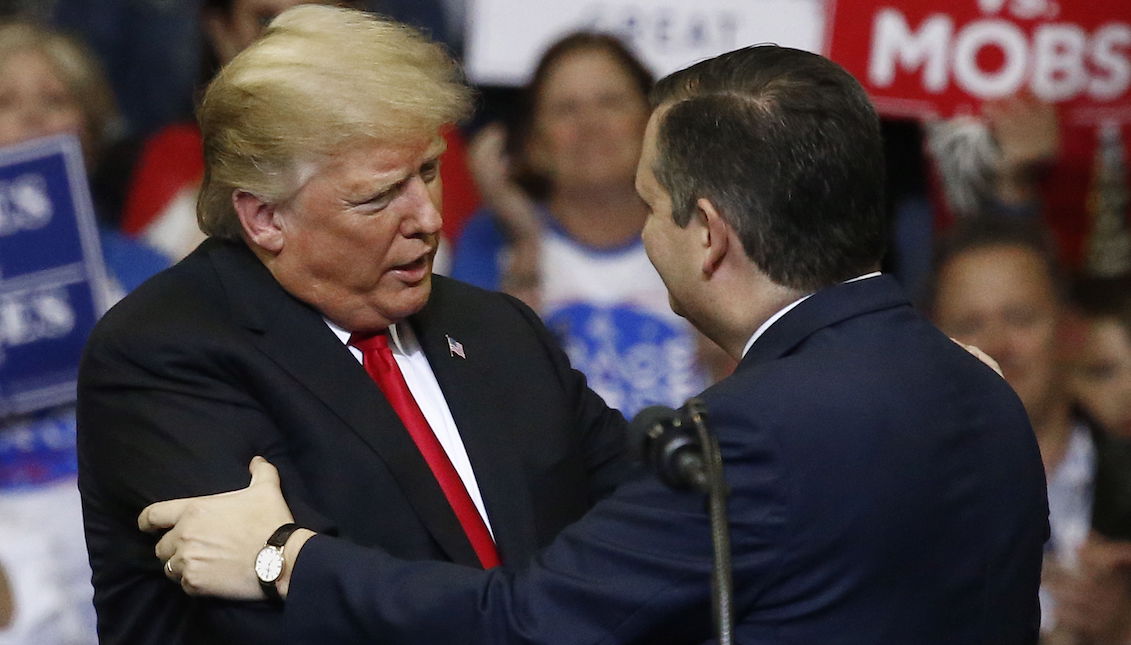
(939,58)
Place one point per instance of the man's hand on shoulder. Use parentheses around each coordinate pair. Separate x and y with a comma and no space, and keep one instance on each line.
(212,541)
(982,356)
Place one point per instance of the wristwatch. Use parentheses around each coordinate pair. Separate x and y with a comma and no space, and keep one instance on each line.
(269,561)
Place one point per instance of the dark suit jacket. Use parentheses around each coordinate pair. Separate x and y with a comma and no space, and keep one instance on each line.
(211,363)
(886,490)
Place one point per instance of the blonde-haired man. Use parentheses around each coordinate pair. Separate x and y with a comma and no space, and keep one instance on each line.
(320,199)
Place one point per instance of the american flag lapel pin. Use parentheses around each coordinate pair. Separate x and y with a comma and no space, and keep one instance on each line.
(455,348)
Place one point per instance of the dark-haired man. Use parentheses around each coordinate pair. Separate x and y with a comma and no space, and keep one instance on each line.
(885,485)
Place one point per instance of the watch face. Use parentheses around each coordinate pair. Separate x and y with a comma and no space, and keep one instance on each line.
(269,564)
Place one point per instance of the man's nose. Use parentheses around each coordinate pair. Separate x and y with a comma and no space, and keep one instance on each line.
(426,218)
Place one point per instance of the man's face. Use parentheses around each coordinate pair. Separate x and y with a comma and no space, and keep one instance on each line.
(669,247)
(360,235)
(1002,300)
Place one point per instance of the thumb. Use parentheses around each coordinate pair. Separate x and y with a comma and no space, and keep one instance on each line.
(262,472)
(162,515)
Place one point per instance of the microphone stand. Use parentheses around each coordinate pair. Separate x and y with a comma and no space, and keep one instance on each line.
(722,589)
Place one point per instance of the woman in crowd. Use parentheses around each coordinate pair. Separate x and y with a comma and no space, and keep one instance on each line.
(563,228)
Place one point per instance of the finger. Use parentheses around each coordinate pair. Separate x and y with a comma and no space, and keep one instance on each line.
(263,473)
(487,142)
(992,110)
(166,547)
(980,355)
(1107,554)
(162,515)
(190,588)
(495,133)
(1092,555)
(171,572)
(987,359)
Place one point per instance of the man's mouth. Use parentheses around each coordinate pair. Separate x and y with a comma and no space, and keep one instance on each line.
(415,271)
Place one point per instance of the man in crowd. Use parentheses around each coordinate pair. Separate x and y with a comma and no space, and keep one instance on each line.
(405,411)
(886,487)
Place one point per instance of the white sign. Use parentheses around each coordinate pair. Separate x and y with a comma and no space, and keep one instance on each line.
(507,37)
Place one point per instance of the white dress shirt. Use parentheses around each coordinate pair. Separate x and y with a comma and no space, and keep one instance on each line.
(424,388)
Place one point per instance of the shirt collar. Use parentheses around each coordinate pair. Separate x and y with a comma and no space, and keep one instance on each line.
(402,340)
(784,310)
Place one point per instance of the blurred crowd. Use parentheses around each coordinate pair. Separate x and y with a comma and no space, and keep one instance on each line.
(986,233)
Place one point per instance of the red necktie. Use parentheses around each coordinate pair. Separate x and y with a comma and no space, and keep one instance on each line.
(378,360)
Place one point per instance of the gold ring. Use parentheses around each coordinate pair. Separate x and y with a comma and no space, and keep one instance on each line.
(169,566)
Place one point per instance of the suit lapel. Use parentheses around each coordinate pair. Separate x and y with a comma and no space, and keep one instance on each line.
(824,308)
(483,424)
(296,337)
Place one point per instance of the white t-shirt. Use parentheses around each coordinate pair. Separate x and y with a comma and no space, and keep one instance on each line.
(610,310)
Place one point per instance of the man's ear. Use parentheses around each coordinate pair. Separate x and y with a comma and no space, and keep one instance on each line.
(716,235)
(260,221)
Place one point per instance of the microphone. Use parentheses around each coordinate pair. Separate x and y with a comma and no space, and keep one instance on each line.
(665,442)
(679,447)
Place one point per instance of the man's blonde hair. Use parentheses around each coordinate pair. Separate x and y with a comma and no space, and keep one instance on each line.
(319,79)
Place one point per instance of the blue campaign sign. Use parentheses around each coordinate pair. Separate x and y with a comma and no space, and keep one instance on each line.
(52,278)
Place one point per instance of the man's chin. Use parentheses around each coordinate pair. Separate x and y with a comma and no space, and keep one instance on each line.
(395,306)
(676,308)
(416,295)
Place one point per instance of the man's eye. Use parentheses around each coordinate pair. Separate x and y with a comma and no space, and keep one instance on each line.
(381,201)
(430,170)
(376,202)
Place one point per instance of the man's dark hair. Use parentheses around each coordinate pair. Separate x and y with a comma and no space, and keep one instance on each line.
(787,146)
(1104,297)
(991,231)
